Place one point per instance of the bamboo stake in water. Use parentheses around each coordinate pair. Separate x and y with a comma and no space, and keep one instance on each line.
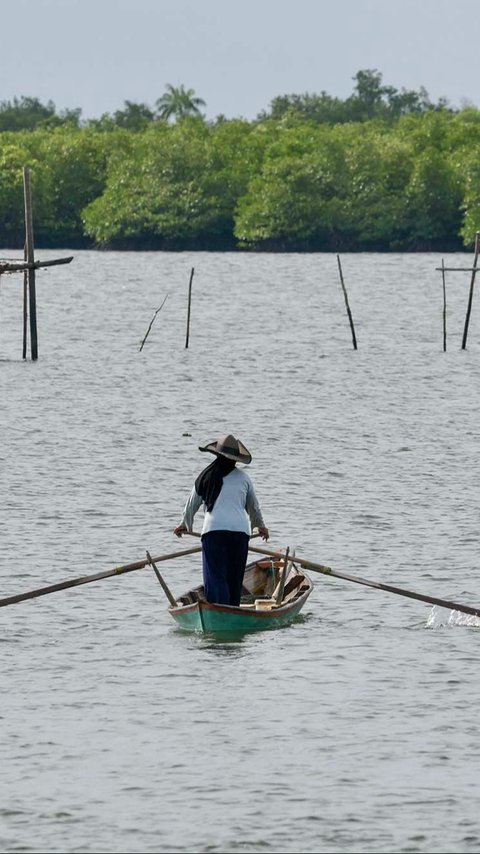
(30,257)
(347,304)
(189,306)
(444,309)
(470,296)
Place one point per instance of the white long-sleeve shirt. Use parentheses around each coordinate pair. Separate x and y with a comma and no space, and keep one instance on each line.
(236,508)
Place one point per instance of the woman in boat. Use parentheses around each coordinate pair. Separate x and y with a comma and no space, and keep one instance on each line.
(231,511)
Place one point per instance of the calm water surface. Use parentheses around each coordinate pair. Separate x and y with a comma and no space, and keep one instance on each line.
(353,730)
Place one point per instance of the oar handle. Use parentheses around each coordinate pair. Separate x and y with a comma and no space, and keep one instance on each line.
(196,534)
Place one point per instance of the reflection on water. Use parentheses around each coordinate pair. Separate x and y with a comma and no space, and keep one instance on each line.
(225,643)
(355,728)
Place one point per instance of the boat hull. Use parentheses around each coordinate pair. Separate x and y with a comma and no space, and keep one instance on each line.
(261,615)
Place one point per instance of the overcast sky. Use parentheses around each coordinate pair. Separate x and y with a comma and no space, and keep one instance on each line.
(236,54)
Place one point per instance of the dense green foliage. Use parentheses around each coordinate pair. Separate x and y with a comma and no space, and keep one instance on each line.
(383,170)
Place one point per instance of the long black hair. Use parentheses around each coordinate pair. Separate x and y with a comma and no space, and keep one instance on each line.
(210,481)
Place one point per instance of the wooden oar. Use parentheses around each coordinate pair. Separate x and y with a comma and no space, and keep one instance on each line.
(326,570)
(86,579)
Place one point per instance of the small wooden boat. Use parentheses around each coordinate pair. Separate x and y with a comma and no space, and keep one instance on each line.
(274,592)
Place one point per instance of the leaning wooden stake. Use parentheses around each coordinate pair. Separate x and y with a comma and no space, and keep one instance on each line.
(30,257)
(470,296)
(444,309)
(347,304)
(151,324)
(189,306)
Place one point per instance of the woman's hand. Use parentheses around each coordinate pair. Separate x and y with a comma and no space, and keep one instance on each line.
(264,533)
(179,530)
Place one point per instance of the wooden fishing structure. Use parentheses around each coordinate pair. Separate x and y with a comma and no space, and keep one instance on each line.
(473,270)
(28,266)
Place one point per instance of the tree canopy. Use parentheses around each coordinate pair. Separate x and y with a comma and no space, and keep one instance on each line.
(383,170)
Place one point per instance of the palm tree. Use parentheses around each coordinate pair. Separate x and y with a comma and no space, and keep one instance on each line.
(178,102)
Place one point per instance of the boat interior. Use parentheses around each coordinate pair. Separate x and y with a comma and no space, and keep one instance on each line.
(262,586)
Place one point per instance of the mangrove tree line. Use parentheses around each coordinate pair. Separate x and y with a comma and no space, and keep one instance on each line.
(383,170)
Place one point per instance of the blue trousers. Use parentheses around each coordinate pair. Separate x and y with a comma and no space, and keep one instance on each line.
(224,556)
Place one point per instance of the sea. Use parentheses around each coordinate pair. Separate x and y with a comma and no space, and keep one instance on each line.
(355,728)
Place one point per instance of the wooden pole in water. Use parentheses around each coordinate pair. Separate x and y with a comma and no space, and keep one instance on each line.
(30,257)
(189,305)
(151,324)
(25,309)
(444,309)
(346,304)
(470,296)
